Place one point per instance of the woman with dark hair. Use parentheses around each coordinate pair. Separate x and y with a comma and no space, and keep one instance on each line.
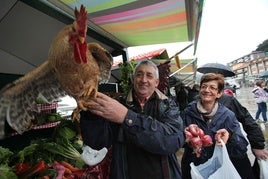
(215,120)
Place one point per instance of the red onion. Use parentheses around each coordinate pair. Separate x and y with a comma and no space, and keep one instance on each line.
(193,128)
(196,142)
(206,140)
(196,138)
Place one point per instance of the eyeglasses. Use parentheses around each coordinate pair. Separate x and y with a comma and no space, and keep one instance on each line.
(211,88)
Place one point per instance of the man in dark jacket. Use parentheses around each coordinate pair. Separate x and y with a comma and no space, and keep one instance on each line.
(144,130)
(254,133)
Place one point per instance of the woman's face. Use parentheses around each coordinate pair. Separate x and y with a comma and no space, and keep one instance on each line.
(209,91)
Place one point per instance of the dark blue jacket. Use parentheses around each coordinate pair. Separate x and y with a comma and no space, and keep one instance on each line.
(145,147)
(224,118)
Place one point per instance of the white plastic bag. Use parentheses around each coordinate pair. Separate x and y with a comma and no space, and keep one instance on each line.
(93,157)
(263,169)
(219,166)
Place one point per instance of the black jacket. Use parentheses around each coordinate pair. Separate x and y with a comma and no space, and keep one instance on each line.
(144,147)
(254,133)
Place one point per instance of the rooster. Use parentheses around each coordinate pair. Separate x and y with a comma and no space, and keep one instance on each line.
(74,67)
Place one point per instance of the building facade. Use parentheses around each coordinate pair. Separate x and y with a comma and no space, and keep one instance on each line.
(250,67)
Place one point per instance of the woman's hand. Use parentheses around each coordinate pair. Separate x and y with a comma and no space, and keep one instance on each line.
(223,135)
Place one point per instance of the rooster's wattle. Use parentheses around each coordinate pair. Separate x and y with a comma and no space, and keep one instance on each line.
(74,67)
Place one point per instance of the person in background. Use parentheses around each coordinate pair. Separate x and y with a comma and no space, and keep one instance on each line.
(261,97)
(214,119)
(228,92)
(144,129)
(193,93)
(182,93)
(229,87)
(252,129)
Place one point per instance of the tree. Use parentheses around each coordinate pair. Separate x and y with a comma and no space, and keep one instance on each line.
(263,46)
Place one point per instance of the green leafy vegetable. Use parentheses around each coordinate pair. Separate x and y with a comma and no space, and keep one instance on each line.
(127,69)
(34,153)
(66,129)
(5,155)
(6,172)
(63,147)
(53,117)
(27,151)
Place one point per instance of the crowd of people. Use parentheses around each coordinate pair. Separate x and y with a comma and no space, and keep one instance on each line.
(145,128)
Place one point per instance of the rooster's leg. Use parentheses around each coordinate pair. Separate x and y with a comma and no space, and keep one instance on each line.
(91,91)
(82,104)
(75,114)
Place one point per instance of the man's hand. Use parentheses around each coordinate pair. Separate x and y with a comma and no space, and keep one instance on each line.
(108,108)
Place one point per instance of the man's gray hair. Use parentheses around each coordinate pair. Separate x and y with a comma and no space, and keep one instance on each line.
(148,63)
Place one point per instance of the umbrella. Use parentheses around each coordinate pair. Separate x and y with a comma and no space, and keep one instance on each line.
(216,68)
(264,75)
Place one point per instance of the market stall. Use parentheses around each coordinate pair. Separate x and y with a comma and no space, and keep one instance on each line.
(51,145)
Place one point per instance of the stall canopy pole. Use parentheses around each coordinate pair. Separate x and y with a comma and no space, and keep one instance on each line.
(181,51)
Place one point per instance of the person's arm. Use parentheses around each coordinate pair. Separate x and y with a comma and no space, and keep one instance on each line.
(151,134)
(252,129)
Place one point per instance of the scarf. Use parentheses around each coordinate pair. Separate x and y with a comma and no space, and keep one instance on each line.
(207,115)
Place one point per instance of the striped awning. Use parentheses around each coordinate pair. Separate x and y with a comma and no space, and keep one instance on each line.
(135,23)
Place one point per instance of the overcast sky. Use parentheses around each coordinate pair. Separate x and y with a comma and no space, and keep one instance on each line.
(231,29)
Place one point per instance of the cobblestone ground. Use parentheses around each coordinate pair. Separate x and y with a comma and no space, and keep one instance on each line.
(245,97)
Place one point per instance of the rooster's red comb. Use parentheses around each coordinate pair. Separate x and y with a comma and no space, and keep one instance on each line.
(81,19)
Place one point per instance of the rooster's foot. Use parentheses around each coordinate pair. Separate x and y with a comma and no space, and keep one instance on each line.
(91,92)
